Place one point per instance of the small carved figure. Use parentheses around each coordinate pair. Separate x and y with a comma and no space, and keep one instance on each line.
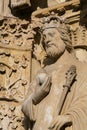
(48,90)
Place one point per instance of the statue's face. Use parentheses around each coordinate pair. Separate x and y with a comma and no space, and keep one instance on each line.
(53,43)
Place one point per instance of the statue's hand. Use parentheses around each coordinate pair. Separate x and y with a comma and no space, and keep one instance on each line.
(61,121)
(42,88)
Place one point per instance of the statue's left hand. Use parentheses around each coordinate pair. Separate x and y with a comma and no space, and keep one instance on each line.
(60,121)
(42,89)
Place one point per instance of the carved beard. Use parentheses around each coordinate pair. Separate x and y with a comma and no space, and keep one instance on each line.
(55,50)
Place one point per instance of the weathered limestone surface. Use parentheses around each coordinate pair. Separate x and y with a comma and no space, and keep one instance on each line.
(22,55)
(57,98)
(15,63)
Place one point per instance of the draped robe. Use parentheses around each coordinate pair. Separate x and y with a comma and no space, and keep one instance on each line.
(75,104)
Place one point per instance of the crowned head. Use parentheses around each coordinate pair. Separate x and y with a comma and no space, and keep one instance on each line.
(55,35)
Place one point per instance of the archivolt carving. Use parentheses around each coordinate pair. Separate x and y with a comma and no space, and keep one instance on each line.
(16,42)
(15,54)
(18,39)
(13,68)
(16,34)
(10,116)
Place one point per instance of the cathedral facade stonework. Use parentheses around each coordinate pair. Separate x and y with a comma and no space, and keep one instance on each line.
(43,58)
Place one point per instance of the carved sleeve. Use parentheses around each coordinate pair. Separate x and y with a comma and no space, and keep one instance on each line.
(76,104)
(28,108)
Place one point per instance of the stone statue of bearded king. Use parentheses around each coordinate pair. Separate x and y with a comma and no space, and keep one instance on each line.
(46,90)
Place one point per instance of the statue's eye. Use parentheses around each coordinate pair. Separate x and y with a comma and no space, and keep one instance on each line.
(51,34)
(44,36)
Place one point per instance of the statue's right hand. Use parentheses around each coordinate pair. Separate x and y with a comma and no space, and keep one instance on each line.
(61,121)
(42,88)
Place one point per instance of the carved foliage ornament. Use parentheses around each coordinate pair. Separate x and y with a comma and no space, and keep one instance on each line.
(16,39)
(16,34)
(15,52)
